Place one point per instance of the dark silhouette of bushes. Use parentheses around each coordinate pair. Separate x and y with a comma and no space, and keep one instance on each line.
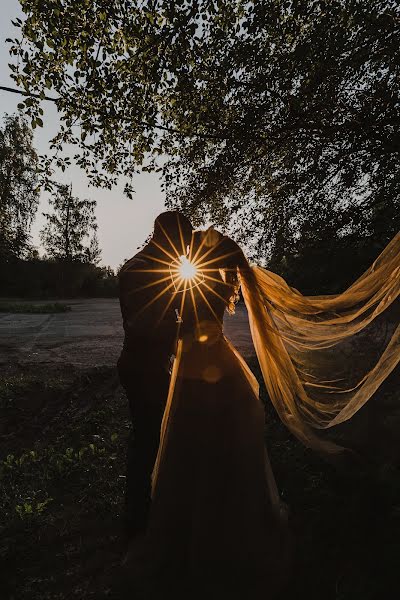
(328,266)
(43,278)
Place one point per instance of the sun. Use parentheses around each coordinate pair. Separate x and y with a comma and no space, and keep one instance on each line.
(187,273)
(187,270)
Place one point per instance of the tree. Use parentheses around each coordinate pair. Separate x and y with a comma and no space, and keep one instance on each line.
(93,251)
(68,227)
(19,195)
(275,112)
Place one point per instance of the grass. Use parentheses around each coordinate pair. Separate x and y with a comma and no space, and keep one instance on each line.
(64,435)
(344,516)
(61,482)
(48,308)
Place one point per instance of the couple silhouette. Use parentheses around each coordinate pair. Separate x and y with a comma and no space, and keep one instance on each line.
(202,509)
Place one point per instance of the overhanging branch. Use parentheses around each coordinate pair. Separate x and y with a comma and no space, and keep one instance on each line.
(204,136)
(28,94)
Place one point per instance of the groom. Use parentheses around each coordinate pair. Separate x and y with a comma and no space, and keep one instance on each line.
(150,325)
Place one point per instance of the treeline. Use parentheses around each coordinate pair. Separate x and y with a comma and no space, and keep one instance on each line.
(70,265)
(330,264)
(48,278)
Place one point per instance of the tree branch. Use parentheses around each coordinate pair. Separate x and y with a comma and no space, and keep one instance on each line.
(203,136)
(29,94)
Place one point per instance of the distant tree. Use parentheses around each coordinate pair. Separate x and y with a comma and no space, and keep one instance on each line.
(118,269)
(108,271)
(69,227)
(19,194)
(33,254)
(93,251)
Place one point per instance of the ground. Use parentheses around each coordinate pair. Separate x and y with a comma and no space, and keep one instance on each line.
(88,336)
(63,427)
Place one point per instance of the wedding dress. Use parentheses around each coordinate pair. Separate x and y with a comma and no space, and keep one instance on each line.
(216,527)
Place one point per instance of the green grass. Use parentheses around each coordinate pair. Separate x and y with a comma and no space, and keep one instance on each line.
(61,482)
(64,436)
(48,308)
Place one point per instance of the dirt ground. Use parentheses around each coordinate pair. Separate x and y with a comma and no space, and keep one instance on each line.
(90,335)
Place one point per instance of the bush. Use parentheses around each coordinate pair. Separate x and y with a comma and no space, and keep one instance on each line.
(327,266)
(41,278)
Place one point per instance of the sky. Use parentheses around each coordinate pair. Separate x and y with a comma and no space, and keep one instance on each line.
(123,224)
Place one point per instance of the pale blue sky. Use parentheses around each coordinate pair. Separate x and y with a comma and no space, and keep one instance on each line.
(123,224)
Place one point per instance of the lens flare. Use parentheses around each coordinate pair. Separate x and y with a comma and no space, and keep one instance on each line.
(183,271)
(186,269)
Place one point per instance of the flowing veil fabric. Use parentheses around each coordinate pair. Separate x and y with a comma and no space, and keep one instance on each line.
(323,357)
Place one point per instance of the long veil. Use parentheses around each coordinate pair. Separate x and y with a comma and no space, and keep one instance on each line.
(323,357)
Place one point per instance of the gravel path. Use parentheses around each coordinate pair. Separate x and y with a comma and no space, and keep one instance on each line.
(89,335)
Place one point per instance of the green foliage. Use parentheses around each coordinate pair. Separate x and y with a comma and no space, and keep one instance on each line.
(281,114)
(19,195)
(68,226)
(15,307)
(92,252)
(27,510)
(47,465)
(61,478)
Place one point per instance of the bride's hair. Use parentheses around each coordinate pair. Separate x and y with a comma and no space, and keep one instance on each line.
(232,262)
(226,256)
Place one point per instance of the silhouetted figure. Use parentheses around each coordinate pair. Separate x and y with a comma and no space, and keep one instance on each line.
(216,528)
(149,316)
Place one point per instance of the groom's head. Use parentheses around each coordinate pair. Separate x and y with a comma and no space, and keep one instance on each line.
(172,226)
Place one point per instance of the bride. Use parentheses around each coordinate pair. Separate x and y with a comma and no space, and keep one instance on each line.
(216,525)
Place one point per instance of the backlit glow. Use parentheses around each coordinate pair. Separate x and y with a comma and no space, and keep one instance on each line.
(187,270)
(191,274)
